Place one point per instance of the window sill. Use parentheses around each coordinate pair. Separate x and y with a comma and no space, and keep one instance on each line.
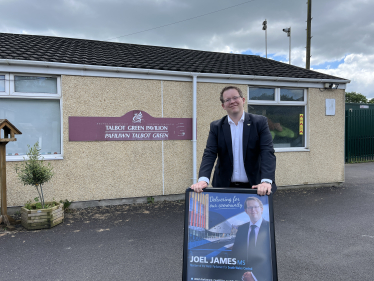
(45,157)
(292,149)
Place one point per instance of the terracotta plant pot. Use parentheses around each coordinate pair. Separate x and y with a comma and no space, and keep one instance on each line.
(42,218)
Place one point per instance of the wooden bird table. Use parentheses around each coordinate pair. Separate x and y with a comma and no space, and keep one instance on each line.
(8,130)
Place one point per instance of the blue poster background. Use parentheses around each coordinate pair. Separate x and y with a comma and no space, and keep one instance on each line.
(213,221)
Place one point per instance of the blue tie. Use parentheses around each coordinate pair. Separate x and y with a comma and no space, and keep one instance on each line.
(252,238)
(251,245)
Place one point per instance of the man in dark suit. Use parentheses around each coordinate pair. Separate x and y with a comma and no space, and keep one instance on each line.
(244,147)
(252,241)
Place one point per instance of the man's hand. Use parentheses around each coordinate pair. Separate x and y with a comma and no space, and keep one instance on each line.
(248,276)
(263,188)
(198,187)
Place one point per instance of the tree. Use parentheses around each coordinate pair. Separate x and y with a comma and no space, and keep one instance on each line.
(353,97)
(371,101)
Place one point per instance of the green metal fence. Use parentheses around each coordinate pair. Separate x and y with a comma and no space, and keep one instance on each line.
(359,135)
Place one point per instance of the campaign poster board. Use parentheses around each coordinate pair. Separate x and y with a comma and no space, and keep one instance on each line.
(218,245)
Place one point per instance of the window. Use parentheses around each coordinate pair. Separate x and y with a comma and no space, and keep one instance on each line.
(285,109)
(291,95)
(261,94)
(2,83)
(33,104)
(35,84)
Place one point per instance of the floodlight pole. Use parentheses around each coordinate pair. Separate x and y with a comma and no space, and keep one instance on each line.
(288,31)
(266,42)
(308,34)
(290,46)
(265,27)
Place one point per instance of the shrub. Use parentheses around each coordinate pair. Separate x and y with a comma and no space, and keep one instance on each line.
(34,172)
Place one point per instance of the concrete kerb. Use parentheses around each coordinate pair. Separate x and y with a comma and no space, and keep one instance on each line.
(111,202)
(125,201)
(306,186)
(173,197)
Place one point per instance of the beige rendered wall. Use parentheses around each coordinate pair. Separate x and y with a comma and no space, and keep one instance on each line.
(324,163)
(122,169)
(116,169)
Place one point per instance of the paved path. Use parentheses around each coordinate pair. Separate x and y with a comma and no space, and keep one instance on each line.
(321,233)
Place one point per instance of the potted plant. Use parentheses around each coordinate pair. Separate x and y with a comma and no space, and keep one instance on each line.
(34,172)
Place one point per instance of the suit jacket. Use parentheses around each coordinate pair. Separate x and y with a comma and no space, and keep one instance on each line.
(260,257)
(258,152)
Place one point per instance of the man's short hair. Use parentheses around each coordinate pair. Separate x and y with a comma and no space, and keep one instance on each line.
(253,199)
(229,88)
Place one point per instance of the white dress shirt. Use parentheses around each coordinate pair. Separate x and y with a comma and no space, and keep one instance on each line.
(238,173)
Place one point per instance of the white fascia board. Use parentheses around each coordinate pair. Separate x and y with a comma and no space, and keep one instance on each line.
(272,83)
(139,73)
(95,71)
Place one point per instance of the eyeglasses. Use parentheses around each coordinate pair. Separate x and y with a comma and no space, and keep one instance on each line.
(233,99)
(253,208)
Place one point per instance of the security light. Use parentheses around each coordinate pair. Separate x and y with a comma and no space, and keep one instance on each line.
(288,31)
(331,86)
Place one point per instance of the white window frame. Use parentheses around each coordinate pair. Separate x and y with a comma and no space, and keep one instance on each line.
(277,101)
(14,93)
(9,93)
(6,82)
(262,101)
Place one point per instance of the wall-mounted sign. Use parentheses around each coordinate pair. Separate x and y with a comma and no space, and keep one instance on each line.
(330,107)
(134,125)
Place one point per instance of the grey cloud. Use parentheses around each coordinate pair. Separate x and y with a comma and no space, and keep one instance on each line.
(338,27)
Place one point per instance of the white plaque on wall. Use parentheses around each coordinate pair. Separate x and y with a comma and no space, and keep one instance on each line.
(330,106)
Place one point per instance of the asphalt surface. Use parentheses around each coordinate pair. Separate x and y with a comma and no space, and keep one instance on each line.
(321,234)
(327,233)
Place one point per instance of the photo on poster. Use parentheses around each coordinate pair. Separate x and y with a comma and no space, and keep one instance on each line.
(229,236)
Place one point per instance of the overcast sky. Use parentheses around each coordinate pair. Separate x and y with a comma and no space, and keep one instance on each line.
(342,43)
